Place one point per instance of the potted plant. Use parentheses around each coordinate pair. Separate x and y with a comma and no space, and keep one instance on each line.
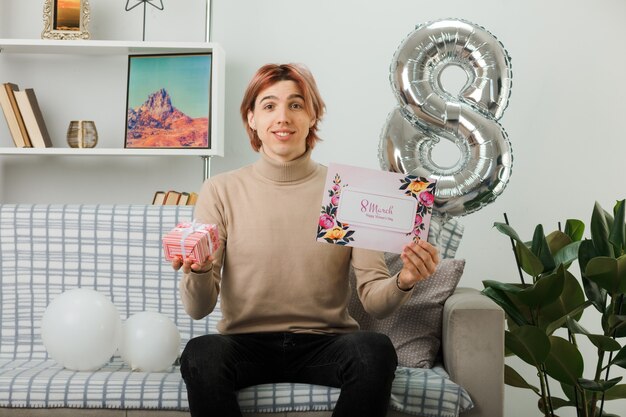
(543,312)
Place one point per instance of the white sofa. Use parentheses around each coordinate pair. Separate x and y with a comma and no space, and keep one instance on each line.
(116,249)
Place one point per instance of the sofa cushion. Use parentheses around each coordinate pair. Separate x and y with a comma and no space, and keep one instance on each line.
(44,383)
(415,327)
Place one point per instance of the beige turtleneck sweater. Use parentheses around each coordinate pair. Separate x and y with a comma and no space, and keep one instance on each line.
(271,273)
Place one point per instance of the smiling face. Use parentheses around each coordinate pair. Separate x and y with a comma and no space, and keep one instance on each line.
(281,121)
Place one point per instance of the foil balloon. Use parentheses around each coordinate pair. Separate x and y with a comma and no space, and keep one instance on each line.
(428,113)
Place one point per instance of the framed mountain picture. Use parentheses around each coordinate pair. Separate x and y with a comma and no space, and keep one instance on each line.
(168,101)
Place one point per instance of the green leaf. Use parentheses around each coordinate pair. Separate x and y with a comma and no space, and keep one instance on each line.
(616,235)
(600,226)
(617,392)
(500,298)
(620,316)
(575,229)
(569,391)
(556,241)
(503,286)
(586,252)
(564,362)
(509,296)
(512,378)
(620,358)
(529,343)
(562,321)
(571,298)
(556,403)
(602,342)
(594,293)
(541,249)
(507,230)
(567,254)
(544,291)
(598,386)
(617,324)
(575,327)
(529,262)
(608,273)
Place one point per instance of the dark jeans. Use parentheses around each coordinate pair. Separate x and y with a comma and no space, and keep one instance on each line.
(362,364)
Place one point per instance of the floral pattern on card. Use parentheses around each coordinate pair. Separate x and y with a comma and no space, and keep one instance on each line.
(329,228)
(423,191)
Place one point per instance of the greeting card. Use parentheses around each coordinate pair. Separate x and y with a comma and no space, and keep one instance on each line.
(374,209)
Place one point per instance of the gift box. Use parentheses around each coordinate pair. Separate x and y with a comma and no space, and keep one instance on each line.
(191,240)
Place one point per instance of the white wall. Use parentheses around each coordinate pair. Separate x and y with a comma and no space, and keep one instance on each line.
(564,118)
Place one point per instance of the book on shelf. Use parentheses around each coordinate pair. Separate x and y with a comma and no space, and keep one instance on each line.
(174,198)
(193,197)
(184,197)
(171,198)
(159,198)
(33,119)
(13,116)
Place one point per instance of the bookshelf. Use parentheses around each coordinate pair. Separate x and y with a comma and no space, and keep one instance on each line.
(98,47)
(105,152)
(90,48)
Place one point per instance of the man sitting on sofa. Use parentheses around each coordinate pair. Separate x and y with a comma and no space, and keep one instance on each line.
(283,295)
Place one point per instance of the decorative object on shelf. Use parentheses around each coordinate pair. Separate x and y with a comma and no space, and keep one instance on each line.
(428,112)
(66,19)
(82,134)
(544,315)
(145,2)
(168,101)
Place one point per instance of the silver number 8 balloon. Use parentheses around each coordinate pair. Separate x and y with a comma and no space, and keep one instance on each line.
(428,113)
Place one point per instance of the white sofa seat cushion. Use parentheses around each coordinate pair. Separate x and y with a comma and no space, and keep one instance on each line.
(45,384)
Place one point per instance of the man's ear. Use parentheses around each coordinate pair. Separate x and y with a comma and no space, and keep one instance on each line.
(251,122)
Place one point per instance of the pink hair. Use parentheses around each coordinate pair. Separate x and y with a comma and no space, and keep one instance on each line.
(270,74)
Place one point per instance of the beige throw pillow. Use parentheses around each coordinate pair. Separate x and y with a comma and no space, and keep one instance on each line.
(415,327)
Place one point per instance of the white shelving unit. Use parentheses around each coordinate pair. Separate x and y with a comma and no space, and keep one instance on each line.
(97,47)
(107,152)
(121,48)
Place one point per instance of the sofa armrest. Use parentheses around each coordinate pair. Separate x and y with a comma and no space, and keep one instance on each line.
(473,349)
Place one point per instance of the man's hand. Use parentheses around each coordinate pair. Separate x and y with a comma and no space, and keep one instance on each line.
(420,261)
(188,265)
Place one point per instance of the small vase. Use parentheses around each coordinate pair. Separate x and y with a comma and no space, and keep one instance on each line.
(82,134)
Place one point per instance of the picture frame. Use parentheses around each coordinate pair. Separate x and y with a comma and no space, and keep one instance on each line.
(168,101)
(66,19)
